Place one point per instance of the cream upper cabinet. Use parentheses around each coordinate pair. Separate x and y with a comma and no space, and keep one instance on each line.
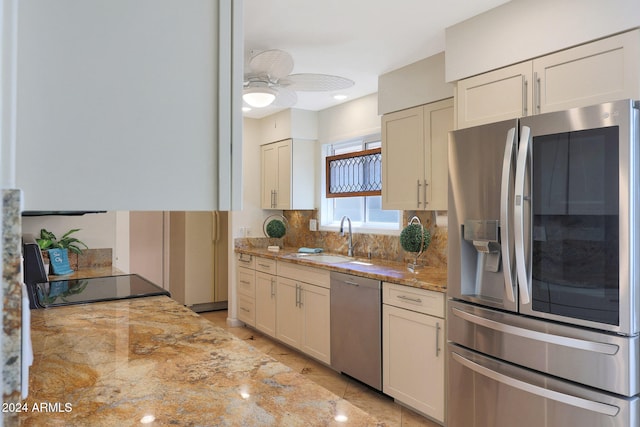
(414,157)
(498,95)
(605,70)
(288,168)
(601,71)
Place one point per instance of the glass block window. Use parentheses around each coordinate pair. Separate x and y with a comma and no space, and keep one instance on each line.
(354,174)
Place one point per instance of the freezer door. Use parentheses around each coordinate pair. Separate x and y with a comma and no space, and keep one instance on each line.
(481,243)
(602,360)
(485,392)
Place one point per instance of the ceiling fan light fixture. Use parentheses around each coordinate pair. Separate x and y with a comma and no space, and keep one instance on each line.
(340,97)
(259,97)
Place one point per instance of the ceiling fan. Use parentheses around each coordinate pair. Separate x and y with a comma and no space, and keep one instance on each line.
(268,80)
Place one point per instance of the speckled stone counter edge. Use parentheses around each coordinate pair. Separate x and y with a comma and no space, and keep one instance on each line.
(11,301)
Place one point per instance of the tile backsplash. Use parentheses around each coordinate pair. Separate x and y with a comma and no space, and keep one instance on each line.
(378,245)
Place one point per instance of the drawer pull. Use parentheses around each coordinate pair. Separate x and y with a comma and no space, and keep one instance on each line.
(245,282)
(406,298)
(265,265)
(241,258)
(245,309)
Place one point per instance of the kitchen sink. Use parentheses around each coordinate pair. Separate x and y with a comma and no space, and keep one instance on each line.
(326,258)
(361,263)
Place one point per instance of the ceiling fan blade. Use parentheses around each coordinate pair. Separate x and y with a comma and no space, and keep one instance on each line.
(317,82)
(285,98)
(275,62)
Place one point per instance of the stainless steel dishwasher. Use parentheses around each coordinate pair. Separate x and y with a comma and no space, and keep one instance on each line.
(356,334)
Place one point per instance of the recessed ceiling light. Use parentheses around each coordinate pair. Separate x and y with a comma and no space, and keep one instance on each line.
(340,97)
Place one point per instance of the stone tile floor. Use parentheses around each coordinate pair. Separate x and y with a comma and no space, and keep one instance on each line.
(381,406)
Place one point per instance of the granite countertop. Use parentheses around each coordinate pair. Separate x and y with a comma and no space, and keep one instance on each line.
(84,273)
(426,277)
(114,363)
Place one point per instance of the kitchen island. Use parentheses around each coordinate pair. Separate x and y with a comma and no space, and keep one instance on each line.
(153,360)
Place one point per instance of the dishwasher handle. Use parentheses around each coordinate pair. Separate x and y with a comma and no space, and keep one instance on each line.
(357,281)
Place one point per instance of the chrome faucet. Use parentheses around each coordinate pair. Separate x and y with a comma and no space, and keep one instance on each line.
(350,251)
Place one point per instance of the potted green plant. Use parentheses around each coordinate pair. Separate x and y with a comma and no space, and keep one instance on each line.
(415,238)
(48,240)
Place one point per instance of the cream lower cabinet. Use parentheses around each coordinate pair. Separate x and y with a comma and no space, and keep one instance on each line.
(302,317)
(601,71)
(413,345)
(246,288)
(265,306)
(415,158)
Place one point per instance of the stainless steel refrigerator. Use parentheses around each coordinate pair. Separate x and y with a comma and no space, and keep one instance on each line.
(544,246)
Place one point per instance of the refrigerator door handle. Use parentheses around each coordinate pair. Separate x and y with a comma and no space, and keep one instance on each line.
(601,408)
(505,222)
(519,214)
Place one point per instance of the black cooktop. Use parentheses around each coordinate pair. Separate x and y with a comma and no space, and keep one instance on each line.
(82,291)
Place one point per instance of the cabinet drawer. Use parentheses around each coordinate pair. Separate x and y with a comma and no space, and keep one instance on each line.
(266,265)
(246,282)
(246,261)
(247,310)
(302,273)
(415,299)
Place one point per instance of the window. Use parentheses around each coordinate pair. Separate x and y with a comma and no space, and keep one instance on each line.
(365,212)
(354,174)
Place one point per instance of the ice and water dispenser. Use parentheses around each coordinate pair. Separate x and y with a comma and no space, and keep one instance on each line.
(481,271)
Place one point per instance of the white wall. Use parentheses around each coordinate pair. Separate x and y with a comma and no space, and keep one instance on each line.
(525,29)
(251,216)
(419,83)
(96,230)
(138,118)
(349,120)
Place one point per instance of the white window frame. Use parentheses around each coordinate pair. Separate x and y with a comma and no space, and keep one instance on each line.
(326,204)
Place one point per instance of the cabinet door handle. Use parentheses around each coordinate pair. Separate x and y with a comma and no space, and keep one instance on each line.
(537,89)
(300,296)
(273,288)
(275,198)
(241,258)
(348,282)
(438,339)
(297,295)
(418,193)
(424,189)
(406,298)
(525,85)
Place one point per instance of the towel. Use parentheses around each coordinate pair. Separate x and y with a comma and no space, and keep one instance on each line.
(310,250)
(59,261)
